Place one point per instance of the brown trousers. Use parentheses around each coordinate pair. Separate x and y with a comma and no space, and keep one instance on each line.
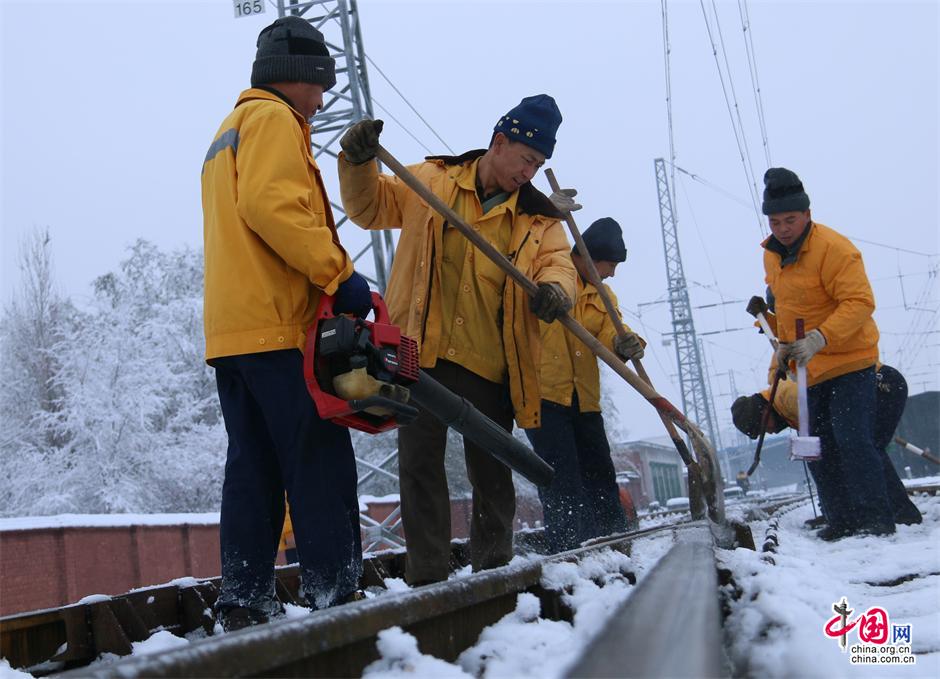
(425,500)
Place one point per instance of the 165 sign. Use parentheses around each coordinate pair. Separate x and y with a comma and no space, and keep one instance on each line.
(244,8)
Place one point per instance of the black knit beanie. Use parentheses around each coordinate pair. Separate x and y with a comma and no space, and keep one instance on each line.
(604,241)
(746,413)
(783,192)
(292,50)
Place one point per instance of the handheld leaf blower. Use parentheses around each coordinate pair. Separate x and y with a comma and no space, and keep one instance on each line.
(365,375)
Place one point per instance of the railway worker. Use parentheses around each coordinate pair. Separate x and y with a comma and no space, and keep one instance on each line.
(583,500)
(478,332)
(271,250)
(817,275)
(891,397)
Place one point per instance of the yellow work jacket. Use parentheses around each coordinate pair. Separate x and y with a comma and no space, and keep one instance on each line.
(567,363)
(537,246)
(786,404)
(270,241)
(472,286)
(827,287)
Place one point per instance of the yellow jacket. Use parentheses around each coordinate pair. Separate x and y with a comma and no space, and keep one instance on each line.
(567,363)
(270,241)
(827,287)
(537,246)
(785,400)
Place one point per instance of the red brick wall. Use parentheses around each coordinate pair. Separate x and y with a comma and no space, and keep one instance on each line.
(50,567)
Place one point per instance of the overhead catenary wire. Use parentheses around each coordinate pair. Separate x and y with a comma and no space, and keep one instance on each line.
(748,174)
(402,125)
(405,99)
(755,82)
(734,99)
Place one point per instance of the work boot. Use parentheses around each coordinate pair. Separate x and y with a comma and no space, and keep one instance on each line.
(909,516)
(234,618)
(815,523)
(833,533)
(355,595)
(876,529)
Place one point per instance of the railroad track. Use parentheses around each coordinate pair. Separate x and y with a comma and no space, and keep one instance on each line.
(445,618)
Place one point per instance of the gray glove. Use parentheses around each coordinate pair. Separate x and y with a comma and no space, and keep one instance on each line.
(549,302)
(563,199)
(361,141)
(629,346)
(801,350)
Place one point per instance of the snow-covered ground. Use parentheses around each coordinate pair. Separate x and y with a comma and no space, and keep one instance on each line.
(523,644)
(776,625)
(778,611)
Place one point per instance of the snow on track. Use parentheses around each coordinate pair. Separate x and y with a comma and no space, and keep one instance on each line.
(775,628)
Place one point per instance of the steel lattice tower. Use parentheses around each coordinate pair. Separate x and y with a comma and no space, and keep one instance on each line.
(348,102)
(695,400)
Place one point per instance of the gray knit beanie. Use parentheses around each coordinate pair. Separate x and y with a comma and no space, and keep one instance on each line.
(783,192)
(292,50)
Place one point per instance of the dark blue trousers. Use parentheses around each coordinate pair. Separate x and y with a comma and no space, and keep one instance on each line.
(891,397)
(582,501)
(278,443)
(851,475)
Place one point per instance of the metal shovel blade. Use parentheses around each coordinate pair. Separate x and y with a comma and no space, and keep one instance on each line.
(805,448)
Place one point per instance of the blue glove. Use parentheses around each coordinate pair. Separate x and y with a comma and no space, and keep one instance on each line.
(353,297)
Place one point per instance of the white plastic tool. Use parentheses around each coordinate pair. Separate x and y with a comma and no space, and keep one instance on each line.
(804,446)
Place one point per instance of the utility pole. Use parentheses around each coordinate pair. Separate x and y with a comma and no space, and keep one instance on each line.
(695,400)
(347,103)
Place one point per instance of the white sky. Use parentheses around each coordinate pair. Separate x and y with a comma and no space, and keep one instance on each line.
(108,109)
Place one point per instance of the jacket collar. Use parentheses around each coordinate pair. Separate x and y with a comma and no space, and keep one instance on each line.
(789,255)
(531,201)
(268,94)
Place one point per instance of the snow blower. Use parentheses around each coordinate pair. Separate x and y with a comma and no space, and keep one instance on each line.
(365,375)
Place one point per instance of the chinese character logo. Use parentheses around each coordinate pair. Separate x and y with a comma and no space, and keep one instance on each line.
(872,629)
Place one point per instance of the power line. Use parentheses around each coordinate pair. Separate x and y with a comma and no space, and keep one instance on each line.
(405,99)
(734,97)
(748,175)
(402,126)
(752,67)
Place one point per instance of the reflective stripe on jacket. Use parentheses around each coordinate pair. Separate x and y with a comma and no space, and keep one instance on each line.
(270,241)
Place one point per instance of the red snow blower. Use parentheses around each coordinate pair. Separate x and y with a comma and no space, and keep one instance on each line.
(364,375)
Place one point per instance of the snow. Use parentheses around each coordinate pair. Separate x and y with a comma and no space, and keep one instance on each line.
(93,599)
(106,520)
(7,672)
(775,627)
(522,643)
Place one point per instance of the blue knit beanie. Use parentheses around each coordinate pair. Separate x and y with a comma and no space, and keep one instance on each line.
(533,122)
(604,240)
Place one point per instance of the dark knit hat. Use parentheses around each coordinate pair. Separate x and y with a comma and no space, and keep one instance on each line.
(746,413)
(604,241)
(783,192)
(533,122)
(292,50)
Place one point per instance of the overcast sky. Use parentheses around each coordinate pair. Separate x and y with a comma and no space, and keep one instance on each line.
(108,109)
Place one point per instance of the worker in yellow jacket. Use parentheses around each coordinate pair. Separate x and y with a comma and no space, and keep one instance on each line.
(477,330)
(817,275)
(582,501)
(271,250)
(891,397)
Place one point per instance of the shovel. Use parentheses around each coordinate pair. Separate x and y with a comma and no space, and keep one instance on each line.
(701,445)
(695,472)
(803,447)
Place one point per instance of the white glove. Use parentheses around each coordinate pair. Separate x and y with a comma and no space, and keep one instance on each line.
(563,199)
(801,350)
